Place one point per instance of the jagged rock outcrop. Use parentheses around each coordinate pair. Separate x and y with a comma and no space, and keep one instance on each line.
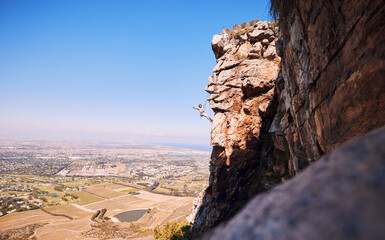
(341,196)
(242,95)
(270,125)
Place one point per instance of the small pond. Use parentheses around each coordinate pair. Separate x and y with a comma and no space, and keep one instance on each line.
(131,216)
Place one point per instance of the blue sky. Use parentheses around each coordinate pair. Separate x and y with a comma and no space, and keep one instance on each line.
(114,70)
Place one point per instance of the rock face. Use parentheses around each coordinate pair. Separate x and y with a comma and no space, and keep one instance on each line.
(328,200)
(242,95)
(272,123)
(333,66)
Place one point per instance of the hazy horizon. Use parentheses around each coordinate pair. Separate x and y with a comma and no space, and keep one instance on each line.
(46,140)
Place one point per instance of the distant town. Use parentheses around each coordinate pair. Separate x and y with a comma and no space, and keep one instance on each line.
(47,173)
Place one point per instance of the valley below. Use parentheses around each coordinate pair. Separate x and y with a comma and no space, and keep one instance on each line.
(81,191)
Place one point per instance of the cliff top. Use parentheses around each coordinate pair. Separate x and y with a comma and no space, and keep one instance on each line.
(243,30)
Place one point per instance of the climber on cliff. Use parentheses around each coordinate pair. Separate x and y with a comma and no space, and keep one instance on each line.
(201,109)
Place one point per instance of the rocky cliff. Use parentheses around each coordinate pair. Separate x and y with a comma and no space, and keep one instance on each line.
(244,99)
(333,67)
(274,116)
(327,201)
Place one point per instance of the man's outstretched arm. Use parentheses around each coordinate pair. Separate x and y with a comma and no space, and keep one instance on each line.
(204,103)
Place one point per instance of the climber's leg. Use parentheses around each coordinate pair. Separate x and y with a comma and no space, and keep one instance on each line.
(208,118)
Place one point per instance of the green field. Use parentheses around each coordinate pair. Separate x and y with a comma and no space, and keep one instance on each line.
(86,198)
(77,183)
(69,210)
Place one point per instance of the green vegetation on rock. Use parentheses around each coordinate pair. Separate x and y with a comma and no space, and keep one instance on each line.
(173,231)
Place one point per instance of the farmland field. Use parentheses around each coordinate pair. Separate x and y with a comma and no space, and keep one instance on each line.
(68,209)
(69,183)
(104,192)
(86,198)
(163,208)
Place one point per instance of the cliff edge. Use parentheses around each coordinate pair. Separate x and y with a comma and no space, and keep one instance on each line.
(243,97)
(283,97)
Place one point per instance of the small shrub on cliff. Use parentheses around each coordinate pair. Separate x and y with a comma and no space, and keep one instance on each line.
(240,56)
(273,24)
(239,32)
(253,22)
(173,231)
(235,27)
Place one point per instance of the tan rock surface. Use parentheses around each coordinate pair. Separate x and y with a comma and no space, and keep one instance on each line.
(241,95)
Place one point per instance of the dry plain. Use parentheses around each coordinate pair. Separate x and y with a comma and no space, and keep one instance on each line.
(111,196)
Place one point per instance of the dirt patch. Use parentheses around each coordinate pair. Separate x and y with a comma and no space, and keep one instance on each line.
(109,229)
(20,233)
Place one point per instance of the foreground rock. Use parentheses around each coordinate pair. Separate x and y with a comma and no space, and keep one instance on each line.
(341,196)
